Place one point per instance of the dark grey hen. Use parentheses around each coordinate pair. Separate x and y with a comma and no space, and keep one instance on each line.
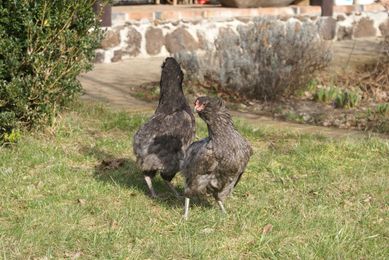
(214,165)
(159,145)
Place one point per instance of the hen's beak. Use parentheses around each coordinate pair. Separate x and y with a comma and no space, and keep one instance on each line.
(198,107)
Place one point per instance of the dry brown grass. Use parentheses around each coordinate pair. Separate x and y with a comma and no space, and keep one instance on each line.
(377,75)
(372,79)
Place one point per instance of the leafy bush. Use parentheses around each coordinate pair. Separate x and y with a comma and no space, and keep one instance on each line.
(44,45)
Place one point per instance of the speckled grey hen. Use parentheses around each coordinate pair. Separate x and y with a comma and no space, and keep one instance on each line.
(159,145)
(214,165)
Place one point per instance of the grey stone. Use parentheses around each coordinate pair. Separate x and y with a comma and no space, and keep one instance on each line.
(154,40)
(202,40)
(243,19)
(364,28)
(99,57)
(384,28)
(180,40)
(117,56)
(297,27)
(111,39)
(344,33)
(302,18)
(118,18)
(134,40)
(340,18)
(285,18)
(327,28)
(118,28)
(195,22)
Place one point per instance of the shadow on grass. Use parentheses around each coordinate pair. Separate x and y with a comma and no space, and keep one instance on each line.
(124,172)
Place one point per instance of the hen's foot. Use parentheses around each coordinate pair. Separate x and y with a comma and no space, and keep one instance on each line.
(150,186)
(221,207)
(186,209)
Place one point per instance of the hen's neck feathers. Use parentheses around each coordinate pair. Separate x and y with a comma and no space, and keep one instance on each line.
(225,138)
(220,126)
(172,97)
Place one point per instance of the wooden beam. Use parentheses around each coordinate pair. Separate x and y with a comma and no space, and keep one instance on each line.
(327,7)
(314,2)
(104,13)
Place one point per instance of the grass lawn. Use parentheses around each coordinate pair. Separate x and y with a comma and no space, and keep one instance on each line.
(76,192)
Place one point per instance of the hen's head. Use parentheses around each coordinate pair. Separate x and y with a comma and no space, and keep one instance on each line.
(208,107)
(171,72)
(208,104)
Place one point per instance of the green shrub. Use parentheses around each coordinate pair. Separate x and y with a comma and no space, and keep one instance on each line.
(44,45)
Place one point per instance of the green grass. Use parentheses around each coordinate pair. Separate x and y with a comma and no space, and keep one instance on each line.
(60,198)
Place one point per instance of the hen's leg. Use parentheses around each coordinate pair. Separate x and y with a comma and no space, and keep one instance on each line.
(186,211)
(173,189)
(220,203)
(167,177)
(148,177)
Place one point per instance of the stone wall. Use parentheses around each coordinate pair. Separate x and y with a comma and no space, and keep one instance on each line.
(161,37)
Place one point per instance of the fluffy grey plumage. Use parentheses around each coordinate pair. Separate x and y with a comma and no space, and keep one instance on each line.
(159,145)
(215,164)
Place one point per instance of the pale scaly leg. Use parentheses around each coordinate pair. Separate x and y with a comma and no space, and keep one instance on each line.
(150,185)
(221,206)
(173,189)
(186,212)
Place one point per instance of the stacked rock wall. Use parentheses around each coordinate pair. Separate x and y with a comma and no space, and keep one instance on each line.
(152,37)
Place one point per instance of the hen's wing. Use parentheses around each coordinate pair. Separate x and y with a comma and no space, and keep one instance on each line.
(158,144)
(200,158)
(199,167)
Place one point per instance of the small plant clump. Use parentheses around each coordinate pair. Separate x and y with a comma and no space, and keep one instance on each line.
(378,118)
(325,94)
(346,99)
(382,109)
(340,98)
